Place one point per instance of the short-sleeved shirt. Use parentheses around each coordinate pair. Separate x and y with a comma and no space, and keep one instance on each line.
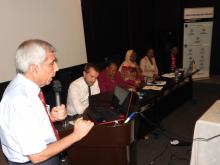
(25,128)
(78,93)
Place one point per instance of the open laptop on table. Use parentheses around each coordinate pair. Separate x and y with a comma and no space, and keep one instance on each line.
(106,108)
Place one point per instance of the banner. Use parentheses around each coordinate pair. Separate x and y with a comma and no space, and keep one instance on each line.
(197,41)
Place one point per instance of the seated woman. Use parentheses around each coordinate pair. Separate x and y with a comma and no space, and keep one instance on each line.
(130,71)
(173,56)
(148,65)
(110,77)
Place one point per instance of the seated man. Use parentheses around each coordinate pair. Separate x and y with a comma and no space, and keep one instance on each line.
(110,77)
(80,90)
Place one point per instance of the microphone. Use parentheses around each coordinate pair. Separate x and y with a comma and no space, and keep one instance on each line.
(57,89)
(130,117)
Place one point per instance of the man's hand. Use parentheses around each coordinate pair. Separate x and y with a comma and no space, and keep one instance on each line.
(82,128)
(58,113)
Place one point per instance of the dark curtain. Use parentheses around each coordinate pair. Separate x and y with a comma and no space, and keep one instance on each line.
(113,26)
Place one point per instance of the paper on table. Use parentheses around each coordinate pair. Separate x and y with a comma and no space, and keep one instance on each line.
(169,75)
(153,87)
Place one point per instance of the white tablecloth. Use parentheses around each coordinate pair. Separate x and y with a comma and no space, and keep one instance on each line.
(207,152)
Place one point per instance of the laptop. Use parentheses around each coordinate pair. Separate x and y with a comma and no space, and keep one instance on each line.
(101,100)
(106,108)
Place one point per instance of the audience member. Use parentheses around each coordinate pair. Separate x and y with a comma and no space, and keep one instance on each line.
(130,71)
(80,90)
(27,133)
(148,65)
(110,77)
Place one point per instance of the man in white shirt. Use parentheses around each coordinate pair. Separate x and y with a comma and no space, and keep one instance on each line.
(78,93)
(26,125)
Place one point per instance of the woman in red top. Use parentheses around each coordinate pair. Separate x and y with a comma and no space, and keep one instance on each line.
(109,78)
(173,54)
(130,70)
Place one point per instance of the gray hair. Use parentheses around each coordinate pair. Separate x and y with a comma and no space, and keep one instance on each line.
(30,52)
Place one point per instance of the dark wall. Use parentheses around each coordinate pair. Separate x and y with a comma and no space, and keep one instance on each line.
(106,27)
(2,88)
(168,31)
(112,27)
(215,58)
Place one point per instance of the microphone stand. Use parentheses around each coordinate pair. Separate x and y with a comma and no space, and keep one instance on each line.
(57,89)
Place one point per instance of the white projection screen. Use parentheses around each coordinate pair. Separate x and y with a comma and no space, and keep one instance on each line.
(56,21)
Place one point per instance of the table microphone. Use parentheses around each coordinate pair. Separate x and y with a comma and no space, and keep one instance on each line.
(57,89)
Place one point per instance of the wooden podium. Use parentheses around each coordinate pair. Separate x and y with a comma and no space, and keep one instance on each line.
(104,145)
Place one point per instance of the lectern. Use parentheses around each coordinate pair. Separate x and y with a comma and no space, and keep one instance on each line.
(104,145)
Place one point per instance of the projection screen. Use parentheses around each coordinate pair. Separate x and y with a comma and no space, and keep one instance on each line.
(56,21)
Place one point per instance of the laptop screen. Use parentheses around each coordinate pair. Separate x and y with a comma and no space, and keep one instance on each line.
(119,102)
(121,94)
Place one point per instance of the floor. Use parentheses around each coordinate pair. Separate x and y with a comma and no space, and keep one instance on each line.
(155,148)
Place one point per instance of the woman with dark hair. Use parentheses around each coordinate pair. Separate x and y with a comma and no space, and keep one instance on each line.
(110,77)
(148,65)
